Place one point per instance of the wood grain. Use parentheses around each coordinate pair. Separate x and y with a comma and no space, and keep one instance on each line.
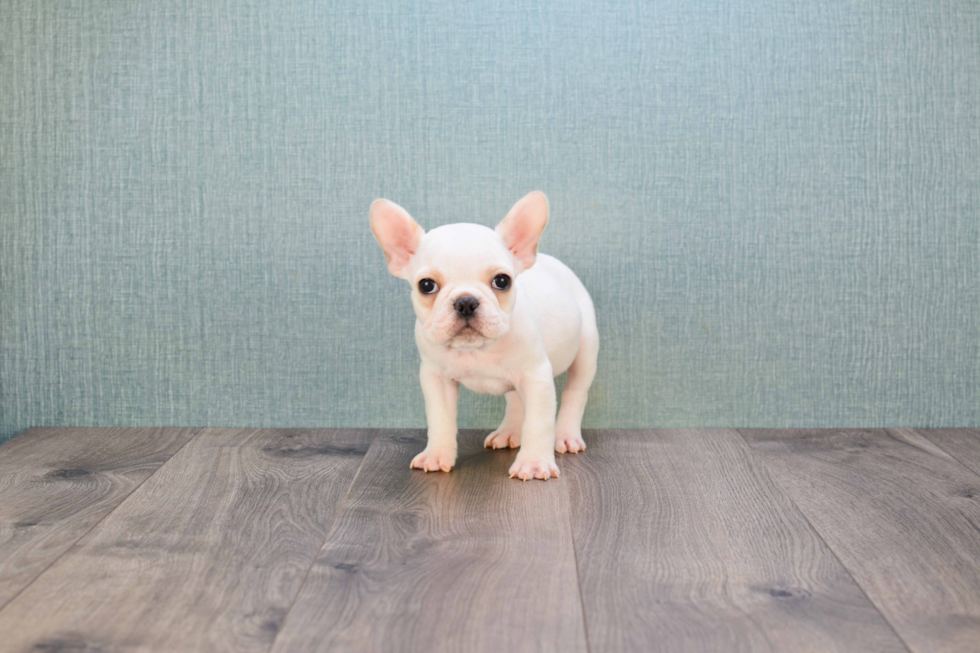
(207,555)
(902,516)
(684,543)
(465,561)
(57,483)
(961,444)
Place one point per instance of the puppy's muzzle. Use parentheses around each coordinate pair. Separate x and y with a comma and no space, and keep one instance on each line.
(466,306)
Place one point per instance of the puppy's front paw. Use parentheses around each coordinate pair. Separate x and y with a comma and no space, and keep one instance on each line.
(504,438)
(528,466)
(435,460)
(569,441)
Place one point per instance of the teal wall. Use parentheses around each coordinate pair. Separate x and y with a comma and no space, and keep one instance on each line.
(776,205)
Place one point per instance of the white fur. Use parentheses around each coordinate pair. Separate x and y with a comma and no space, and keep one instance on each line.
(517,341)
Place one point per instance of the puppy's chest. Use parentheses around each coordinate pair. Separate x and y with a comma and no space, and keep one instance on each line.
(480,376)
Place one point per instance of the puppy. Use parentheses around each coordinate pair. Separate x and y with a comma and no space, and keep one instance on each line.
(498,317)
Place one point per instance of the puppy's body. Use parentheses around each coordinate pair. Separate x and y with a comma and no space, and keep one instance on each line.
(490,321)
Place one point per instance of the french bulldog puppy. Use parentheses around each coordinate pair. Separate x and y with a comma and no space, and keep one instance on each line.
(498,317)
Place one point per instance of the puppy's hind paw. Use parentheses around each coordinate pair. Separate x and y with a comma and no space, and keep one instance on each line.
(504,438)
(529,466)
(435,460)
(569,442)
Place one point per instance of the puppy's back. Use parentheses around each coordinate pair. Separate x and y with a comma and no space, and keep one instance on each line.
(562,303)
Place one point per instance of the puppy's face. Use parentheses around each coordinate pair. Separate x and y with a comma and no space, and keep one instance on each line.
(462,279)
(462,275)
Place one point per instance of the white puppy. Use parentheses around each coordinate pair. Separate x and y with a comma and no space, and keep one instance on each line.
(488,320)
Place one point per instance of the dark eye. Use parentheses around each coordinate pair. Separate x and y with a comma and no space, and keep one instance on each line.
(428,286)
(501,282)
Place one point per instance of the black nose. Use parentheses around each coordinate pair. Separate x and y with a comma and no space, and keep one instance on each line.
(466,305)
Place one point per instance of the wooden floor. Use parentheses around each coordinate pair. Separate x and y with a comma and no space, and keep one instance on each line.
(653,540)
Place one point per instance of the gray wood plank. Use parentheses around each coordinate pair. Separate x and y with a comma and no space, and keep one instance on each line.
(684,543)
(961,444)
(465,561)
(207,555)
(903,517)
(57,483)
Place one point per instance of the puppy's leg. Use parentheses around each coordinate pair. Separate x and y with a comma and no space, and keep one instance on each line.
(536,458)
(508,434)
(568,431)
(441,396)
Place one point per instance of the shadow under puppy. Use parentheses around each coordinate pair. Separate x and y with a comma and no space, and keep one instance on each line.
(498,317)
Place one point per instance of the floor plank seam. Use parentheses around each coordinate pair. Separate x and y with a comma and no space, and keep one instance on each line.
(96,524)
(578,574)
(789,498)
(925,433)
(316,555)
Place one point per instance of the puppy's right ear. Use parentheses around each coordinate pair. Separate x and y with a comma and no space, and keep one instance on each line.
(397,233)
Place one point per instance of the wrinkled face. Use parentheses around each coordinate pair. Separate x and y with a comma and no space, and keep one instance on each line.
(462,278)
(462,275)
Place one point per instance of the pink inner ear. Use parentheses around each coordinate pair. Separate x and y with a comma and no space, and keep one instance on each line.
(522,228)
(522,242)
(397,233)
(400,249)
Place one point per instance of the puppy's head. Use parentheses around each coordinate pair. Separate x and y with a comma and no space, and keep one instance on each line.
(462,275)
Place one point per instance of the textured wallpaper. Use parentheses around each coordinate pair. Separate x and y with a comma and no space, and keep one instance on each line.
(776,205)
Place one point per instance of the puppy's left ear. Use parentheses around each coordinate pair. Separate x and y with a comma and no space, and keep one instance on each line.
(397,233)
(522,227)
